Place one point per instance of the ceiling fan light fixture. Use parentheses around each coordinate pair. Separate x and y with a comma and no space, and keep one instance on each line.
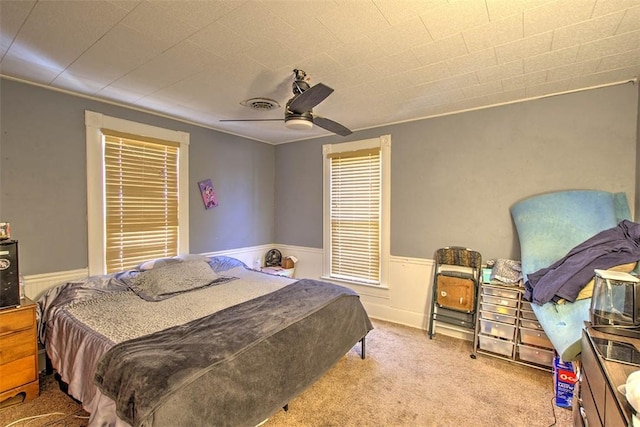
(298,124)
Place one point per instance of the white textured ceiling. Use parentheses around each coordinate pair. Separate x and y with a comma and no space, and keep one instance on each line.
(388,60)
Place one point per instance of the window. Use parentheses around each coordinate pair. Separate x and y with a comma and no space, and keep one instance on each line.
(141,200)
(356,212)
(136,190)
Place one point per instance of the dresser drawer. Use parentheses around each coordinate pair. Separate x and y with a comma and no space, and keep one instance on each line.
(17,345)
(16,320)
(18,372)
(588,403)
(612,415)
(594,377)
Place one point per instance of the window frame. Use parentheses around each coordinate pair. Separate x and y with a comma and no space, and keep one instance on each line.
(384,143)
(94,123)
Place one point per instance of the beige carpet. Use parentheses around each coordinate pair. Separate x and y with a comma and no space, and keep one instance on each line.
(63,410)
(406,380)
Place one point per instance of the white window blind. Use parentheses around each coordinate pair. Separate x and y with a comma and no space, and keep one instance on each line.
(141,200)
(355,212)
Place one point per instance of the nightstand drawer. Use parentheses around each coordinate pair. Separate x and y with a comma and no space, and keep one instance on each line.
(18,372)
(16,320)
(19,352)
(16,346)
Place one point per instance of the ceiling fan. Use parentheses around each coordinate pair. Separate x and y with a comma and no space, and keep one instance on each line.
(299,109)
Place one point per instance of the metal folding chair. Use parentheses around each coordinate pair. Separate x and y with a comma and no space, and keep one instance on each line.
(455,287)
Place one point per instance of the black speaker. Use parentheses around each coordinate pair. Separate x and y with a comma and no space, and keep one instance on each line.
(9,274)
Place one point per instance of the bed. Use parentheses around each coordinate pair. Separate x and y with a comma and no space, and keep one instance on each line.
(195,341)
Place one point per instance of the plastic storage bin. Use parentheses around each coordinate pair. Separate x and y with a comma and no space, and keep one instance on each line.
(535,337)
(497,329)
(500,292)
(496,345)
(528,314)
(497,317)
(501,309)
(531,324)
(508,328)
(536,355)
(507,302)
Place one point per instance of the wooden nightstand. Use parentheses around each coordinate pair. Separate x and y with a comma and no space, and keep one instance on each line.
(19,352)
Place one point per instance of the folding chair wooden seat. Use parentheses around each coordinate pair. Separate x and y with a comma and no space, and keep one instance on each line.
(455,287)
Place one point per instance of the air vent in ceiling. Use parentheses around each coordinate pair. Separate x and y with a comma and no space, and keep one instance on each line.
(262,104)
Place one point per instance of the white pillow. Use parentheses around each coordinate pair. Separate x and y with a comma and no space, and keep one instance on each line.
(155,263)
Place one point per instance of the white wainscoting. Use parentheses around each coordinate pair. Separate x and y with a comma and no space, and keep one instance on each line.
(252,256)
(36,284)
(406,300)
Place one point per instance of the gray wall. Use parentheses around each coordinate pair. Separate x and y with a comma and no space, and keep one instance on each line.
(455,177)
(43,179)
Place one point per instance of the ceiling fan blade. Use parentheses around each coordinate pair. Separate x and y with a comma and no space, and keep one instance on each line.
(310,98)
(251,120)
(331,126)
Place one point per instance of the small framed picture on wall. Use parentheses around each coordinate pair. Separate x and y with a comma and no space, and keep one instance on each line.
(208,194)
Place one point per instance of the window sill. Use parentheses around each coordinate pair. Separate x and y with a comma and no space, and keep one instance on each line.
(353,282)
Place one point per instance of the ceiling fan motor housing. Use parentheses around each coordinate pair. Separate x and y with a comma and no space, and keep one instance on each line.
(299,86)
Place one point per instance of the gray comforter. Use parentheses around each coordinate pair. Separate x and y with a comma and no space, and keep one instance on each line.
(237,366)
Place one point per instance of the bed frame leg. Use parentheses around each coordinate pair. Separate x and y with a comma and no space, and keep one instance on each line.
(286,407)
(362,346)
